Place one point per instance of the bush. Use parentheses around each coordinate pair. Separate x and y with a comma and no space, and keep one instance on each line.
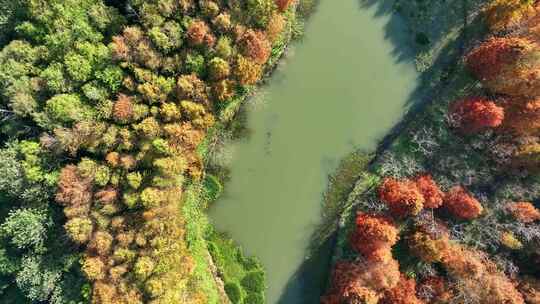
(213,187)
(216,254)
(234,292)
(254,298)
(253,282)
(251,264)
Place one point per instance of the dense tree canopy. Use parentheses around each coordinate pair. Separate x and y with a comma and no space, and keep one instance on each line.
(104,110)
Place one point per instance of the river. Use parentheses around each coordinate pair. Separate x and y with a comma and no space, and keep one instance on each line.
(343,87)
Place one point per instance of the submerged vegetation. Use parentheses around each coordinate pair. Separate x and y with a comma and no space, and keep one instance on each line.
(453,217)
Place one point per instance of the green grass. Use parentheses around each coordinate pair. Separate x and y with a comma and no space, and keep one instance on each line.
(196,225)
(235,268)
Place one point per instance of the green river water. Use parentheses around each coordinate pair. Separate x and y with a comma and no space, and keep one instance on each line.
(342,87)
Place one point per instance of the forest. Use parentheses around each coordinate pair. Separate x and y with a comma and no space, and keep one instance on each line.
(450,211)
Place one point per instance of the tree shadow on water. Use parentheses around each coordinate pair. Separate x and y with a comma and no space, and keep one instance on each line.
(396,30)
(308,283)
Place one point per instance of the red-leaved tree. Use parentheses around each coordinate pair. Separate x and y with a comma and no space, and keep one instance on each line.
(283,4)
(403,293)
(460,203)
(474,114)
(374,236)
(402,197)
(524,212)
(433,196)
(507,65)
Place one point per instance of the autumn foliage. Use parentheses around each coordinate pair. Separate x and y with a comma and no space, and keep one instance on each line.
(475,114)
(433,196)
(522,116)
(403,293)
(507,65)
(501,14)
(361,282)
(374,236)
(477,276)
(123,108)
(460,203)
(283,4)
(402,197)
(524,212)
(255,45)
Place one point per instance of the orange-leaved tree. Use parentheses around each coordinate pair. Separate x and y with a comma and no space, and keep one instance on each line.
(373,237)
(507,65)
(460,203)
(524,212)
(474,114)
(433,196)
(402,197)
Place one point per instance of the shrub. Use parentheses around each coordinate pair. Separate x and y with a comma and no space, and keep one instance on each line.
(253,282)
(213,187)
(251,263)
(254,298)
(234,292)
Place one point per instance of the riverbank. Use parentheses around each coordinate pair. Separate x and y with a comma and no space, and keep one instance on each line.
(442,33)
(216,254)
(442,194)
